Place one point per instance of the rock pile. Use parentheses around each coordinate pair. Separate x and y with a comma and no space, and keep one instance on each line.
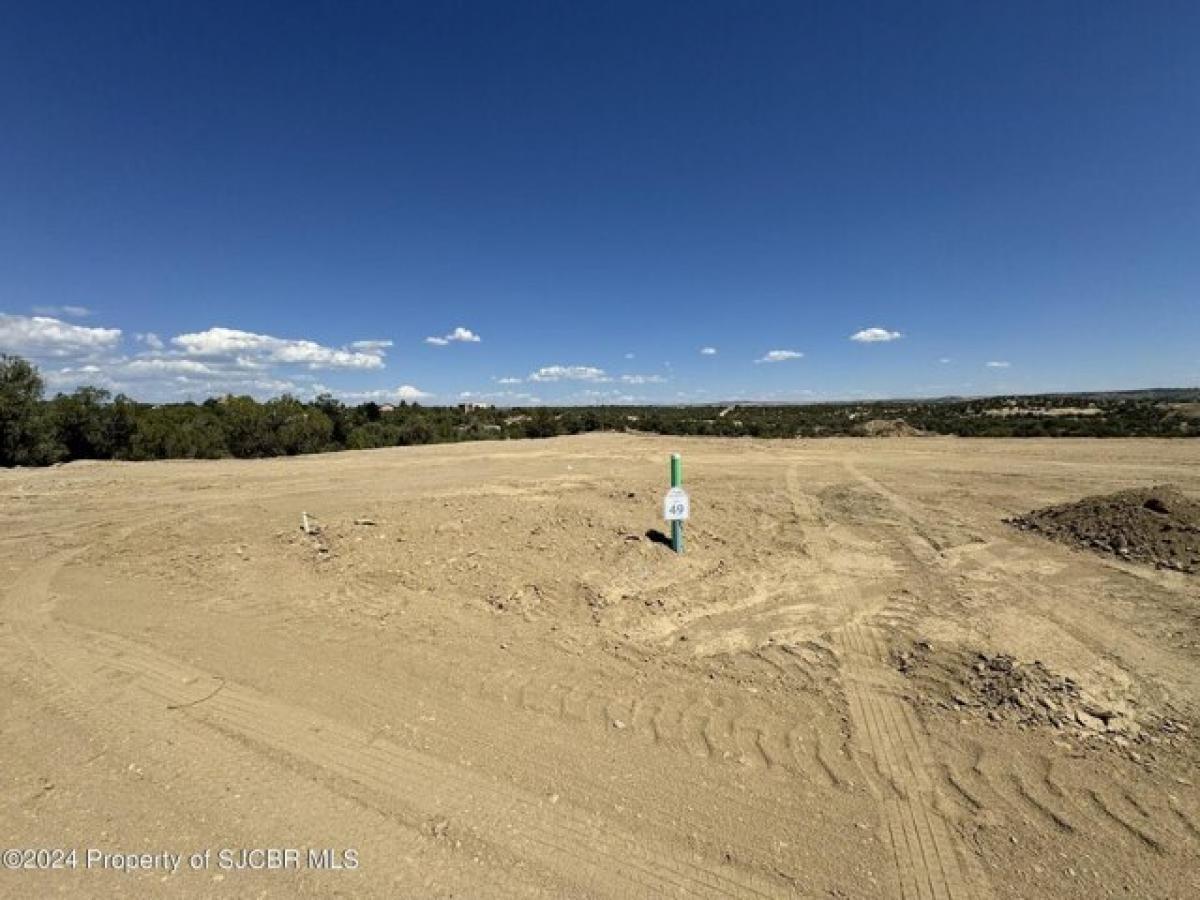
(1159,526)
(1003,689)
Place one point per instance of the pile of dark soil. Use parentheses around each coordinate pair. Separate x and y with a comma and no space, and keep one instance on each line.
(1159,526)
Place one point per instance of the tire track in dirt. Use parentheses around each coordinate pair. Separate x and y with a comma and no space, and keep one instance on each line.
(1134,653)
(581,849)
(1034,794)
(75,683)
(709,724)
(1112,808)
(454,730)
(1040,796)
(705,722)
(592,854)
(928,860)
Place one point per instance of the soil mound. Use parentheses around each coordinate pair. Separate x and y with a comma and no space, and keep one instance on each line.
(1158,525)
(1003,689)
(888,428)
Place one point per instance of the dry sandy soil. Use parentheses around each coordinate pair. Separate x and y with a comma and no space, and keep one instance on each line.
(484,678)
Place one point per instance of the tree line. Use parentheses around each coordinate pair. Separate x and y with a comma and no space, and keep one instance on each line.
(91,423)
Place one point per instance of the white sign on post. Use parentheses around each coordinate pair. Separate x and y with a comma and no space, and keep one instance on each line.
(676,506)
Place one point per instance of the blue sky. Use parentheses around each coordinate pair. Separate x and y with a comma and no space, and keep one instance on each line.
(251,197)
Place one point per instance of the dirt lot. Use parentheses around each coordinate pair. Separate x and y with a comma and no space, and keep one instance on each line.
(485,679)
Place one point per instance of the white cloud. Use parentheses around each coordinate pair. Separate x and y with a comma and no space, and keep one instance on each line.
(370,346)
(569,373)
(40,336)
(999,364)
(459,334)
(220,361)
(509,380)
(189,366)
(944,360)
(410,393)
(773,356)
(251,350)
(261,388)
(875,335)
(629,356)
(600,397)
(168,379)
(708,351)
(379,395)
(61,377)
(643,379)
(157,365)
(173,378)
(75,312)
(511,398)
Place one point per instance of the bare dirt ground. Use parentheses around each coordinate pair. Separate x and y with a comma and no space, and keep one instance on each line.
(485,679)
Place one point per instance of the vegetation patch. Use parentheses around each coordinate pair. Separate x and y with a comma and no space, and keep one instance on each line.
(91,423)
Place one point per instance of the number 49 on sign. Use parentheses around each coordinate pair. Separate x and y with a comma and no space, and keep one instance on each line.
(676,506)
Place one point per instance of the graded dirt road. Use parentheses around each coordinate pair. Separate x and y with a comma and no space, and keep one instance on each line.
(485,679)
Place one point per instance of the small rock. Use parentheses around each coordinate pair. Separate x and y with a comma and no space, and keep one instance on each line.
(1087,720)
(618,724)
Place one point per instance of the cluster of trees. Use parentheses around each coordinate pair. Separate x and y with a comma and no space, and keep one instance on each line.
(1136,414)
(91,424)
